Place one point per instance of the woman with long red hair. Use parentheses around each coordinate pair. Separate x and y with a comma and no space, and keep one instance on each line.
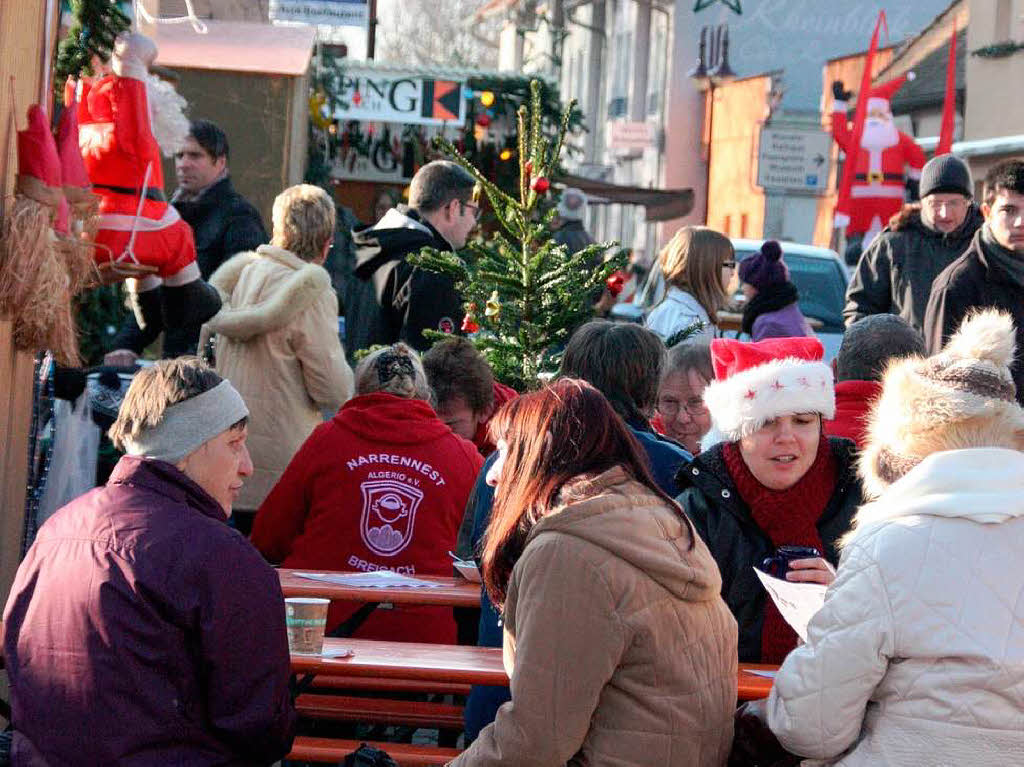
(619,646)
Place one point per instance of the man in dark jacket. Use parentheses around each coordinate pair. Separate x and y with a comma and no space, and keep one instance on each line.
(895,274)
(223,223)
(405,300)
(991,272)
(140,628)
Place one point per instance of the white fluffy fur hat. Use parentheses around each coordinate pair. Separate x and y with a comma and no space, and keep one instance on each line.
(755,382)
(962,397)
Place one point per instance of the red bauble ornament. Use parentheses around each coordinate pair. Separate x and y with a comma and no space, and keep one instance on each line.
(615,283)
(469,325)
(483,119)
(540,185)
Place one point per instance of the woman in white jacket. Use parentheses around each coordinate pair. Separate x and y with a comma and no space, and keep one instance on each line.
(917,657)
(699,264)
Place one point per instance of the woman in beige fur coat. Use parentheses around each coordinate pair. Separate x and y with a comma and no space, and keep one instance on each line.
(277,336)
(917,656)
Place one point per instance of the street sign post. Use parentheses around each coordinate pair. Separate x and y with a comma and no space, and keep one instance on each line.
(336,13)
(793,160)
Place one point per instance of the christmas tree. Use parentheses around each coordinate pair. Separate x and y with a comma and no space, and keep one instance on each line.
(96,24)
(525,294)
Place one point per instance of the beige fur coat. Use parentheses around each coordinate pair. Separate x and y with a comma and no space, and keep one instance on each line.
(277,342)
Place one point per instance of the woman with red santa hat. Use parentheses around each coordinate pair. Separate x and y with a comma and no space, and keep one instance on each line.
(768,477)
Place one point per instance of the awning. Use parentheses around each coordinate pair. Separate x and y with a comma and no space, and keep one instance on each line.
(660,204)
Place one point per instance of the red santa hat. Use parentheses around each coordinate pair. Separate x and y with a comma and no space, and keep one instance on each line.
(757,381)
(38,162)
(879,96)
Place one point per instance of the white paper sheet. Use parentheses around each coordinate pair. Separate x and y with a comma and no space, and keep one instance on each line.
(378,580)
(797,602)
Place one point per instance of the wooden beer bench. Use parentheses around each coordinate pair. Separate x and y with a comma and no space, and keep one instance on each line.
(333,751)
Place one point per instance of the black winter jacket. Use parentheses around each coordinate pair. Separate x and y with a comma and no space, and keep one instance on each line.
(223,223)
(391,300)
(895,274)
(724,521)
(972,282)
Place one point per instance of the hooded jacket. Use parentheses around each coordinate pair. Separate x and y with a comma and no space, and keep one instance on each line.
(974,281)
(619,647)
(142,630)
(895,274)
(853,402)
(725,522)
(405,300)
(917,656)
(277,342)
(381,486)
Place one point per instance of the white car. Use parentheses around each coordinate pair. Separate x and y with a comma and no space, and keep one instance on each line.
(818,273)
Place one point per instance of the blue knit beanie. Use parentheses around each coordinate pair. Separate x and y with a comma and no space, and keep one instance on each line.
(766,268)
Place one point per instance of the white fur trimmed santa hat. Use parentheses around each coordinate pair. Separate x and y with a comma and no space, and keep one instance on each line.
(757,381)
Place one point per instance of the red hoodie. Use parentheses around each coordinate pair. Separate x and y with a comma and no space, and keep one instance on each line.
(382,485)
(853,401)
(482,439)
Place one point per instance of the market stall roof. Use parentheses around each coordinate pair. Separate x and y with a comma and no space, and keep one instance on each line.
(660,204)
(237,46)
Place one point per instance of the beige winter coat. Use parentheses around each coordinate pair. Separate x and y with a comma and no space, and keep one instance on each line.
(618,644)
(278,344)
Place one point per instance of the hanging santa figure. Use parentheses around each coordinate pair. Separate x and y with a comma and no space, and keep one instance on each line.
(886,159)
(116,116)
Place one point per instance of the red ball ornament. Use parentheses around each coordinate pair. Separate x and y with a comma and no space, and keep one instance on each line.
(540,185)
(469,325)
(483,119)
(615,283)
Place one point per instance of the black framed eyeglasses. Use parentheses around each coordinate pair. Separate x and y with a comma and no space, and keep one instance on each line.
(473,207)
(728,264)
(670,407)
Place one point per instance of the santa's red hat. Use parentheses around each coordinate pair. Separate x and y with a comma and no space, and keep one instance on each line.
(757,381)
(880,95)
(38,163)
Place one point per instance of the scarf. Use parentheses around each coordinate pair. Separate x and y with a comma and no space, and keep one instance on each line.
(1009,262)
(769,300)
(787,517)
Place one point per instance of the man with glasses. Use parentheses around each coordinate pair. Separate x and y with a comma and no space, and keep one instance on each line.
(442,211)
(991,272)
(895,274)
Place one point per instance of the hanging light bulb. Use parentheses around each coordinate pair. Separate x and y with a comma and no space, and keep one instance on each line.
(506,154)
(487,98)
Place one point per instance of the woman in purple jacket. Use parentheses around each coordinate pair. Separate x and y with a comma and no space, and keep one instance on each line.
(771,310)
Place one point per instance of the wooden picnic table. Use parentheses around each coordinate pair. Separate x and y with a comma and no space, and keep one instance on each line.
(451,663)
(451,592)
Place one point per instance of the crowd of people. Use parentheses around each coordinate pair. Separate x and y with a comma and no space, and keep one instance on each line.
(618,513)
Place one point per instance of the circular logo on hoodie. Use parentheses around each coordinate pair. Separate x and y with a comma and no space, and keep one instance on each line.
(446,325)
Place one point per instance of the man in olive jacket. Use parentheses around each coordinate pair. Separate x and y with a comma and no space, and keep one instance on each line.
(895,274)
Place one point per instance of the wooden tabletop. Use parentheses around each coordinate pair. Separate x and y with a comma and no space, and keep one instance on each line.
(451,592)
(407,660)
(453,663)
(754,686)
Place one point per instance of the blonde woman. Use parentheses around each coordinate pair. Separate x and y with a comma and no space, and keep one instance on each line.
(698,264)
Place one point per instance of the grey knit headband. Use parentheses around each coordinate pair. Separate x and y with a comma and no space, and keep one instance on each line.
(188,424)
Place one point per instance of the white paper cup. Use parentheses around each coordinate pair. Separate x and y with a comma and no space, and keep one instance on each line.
(306,619)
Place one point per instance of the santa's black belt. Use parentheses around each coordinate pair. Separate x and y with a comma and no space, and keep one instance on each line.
(152,193)
(876,177)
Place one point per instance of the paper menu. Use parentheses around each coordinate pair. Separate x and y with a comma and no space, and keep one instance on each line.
(379,579)
(797,602)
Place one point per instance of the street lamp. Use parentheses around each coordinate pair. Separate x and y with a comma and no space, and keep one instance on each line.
(711,71)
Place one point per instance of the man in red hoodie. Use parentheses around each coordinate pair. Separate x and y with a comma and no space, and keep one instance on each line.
(465,392)
(867,347)
(381,486)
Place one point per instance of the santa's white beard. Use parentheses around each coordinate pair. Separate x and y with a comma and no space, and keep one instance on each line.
(879,134)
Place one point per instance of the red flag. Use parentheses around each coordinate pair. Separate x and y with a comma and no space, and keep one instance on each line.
(843,203)
(949,107)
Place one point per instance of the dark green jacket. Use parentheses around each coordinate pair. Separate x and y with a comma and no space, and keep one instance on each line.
(725,523)
(895,274)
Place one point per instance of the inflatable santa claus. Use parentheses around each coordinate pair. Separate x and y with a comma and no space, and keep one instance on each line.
(137,224)
(886,159)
